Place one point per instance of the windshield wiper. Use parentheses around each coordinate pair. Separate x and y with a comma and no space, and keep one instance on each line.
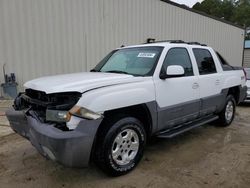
(117,71)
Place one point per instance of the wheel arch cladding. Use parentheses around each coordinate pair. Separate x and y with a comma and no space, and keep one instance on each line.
(235,91)
(143,112)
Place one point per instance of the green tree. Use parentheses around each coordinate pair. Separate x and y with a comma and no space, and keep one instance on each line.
(236,11)
(241,13)
(211,7)
(221,9)
(227,9)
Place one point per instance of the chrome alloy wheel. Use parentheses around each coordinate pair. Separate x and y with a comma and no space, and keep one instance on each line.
(229,111)
(125,147)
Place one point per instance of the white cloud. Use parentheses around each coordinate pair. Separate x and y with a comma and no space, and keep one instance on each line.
(189,3)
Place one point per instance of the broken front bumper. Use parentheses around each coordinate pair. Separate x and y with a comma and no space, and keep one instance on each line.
(70,148)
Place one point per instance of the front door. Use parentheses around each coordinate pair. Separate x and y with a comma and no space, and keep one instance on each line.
(177,98)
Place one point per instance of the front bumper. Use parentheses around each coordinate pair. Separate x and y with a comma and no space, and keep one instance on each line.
(70,148)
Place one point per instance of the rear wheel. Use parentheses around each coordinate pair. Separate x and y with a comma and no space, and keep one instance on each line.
(227,115)
(120,148)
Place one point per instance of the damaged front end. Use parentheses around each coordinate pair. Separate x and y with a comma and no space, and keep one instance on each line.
(55,125)
(47,108)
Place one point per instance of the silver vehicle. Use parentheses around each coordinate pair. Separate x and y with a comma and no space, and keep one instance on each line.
(247,70)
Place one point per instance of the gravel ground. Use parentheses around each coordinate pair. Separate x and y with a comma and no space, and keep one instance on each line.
(4,124)
(204,157)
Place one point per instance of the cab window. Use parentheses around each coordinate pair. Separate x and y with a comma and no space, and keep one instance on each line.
(204,61)
(178,56)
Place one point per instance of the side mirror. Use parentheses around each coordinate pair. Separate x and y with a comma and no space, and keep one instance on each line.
(173,71)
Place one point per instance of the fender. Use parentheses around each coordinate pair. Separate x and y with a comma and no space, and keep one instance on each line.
(232,79)
(118,96)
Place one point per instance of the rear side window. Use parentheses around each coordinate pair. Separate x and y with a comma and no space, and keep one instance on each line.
(178,56)
(204,61)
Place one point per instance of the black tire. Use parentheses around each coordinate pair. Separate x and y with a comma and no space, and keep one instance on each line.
(224,121)
(106,141)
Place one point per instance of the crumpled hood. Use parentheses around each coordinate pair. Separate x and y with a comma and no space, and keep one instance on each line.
(79,82)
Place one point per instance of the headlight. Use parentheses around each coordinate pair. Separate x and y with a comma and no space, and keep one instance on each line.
(57,116)
(65,116)
(84,113)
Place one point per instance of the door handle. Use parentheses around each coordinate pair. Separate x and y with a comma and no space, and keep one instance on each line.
(195,85)
(217,82)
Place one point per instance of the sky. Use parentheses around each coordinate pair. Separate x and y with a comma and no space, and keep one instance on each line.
(189,3)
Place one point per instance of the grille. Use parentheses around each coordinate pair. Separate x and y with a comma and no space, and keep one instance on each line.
(39,101)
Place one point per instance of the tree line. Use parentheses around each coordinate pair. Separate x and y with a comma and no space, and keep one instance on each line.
(235,11)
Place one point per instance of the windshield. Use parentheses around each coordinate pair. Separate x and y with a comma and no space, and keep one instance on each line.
(248,73)
(139,61)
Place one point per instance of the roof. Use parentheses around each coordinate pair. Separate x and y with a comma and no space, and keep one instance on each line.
(202,13)
(247,44)
(168,44)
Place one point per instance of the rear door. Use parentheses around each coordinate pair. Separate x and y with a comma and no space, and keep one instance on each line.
(210,81)
(177,98)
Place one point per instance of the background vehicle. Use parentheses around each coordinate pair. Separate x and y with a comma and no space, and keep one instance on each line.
(248,84)
(159,89)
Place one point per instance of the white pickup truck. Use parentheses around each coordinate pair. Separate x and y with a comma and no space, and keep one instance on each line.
(158,89)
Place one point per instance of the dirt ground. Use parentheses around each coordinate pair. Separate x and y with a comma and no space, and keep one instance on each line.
(204,157)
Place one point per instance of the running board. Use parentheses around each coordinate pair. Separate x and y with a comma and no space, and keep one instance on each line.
(170,133)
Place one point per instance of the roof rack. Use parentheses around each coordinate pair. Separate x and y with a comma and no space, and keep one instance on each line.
(171,41)
(196,43)
(152,40)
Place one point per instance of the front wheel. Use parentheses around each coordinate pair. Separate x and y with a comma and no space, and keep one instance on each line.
(121,147)
(227,115)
